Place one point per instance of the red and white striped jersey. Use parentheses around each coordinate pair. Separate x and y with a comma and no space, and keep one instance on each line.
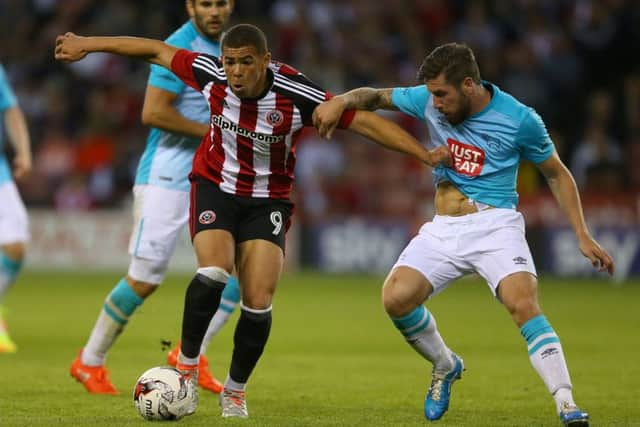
(251,146)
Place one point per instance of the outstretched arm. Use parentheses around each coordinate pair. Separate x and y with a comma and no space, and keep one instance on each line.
(392,136)
(566,193)
(18,133)
(71,48)
(327,115)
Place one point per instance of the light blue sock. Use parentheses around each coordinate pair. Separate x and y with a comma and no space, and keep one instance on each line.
(9,270)
(122,302)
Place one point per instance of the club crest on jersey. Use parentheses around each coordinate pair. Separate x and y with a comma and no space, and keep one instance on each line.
(467,159)
(275,118)
(207,217)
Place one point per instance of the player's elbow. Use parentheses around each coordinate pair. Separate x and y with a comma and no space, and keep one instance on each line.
(149,117)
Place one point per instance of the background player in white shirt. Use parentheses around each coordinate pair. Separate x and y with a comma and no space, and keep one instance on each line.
(476,227)
(241,179)
(179,117)
(14,223)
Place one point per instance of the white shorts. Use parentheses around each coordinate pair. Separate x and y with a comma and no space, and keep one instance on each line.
(159,215)
(491,243)
(14,223)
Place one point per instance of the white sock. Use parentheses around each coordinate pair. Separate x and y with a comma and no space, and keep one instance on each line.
(547,358)
(116,311)
(5,282)
(102,337)
(191,361)
(421,332)
(232,385)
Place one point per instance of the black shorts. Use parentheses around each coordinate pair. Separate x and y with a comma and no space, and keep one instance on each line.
(246,218)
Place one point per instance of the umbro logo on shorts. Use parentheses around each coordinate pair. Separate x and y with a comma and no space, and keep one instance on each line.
(519,260)
(207,217)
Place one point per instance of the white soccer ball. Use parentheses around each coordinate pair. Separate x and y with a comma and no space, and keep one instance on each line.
(163,393)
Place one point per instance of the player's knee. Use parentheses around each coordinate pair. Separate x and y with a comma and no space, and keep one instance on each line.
(146,272)
(523,309)
(15,251)
(257,299)
(142,289)
(394,300)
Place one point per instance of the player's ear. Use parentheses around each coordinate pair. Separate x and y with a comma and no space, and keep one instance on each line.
(190,7)
(467,86)
(267,59)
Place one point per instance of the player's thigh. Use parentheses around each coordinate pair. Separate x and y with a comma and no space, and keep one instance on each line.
(159,216)
(215,248)
(14,222)
(432,254)
(260,263)
(501,250)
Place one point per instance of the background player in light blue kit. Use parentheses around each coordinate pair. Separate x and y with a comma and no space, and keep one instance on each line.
(14,223)
(476,227)
(179,117)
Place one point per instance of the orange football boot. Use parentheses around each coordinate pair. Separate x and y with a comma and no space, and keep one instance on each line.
(206,380)
(94,378)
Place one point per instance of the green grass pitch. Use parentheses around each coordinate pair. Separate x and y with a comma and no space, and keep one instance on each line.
(333,359)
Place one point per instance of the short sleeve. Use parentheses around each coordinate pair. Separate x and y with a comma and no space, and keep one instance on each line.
(307,94)
(7,97)
(533,139)
(164,79)
(411,100)
(196,69)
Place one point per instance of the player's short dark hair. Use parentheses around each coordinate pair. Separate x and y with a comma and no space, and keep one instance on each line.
(242,35)
(455,60)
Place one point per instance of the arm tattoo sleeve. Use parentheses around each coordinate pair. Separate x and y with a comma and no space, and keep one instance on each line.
(367,98)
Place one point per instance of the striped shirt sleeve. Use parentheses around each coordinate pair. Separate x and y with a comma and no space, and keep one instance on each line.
(196,69)
(308,94)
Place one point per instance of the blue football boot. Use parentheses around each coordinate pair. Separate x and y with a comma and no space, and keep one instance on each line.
(573,416)
(437,401)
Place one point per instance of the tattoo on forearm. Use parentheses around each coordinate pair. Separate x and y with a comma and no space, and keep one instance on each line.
(368,99)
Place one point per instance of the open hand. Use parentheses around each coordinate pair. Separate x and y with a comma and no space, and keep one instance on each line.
(599,258)
(69,48)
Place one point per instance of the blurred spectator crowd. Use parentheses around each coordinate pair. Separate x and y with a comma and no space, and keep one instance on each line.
(575,61)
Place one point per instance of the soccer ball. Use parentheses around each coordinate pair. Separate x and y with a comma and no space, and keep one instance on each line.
(163,393)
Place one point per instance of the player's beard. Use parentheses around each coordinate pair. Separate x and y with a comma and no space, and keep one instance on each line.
(204,28)
(460,114)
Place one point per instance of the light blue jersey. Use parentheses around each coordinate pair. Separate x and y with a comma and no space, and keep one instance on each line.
(167,158)
(7,100)
(487,147)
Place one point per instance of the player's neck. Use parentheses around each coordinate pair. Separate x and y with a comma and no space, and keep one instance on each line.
(480,98)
